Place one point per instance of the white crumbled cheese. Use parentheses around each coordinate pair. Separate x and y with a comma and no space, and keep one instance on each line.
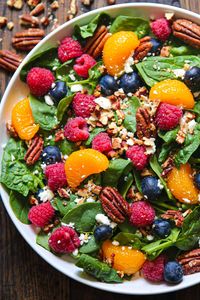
(191,125)
(130,134)
(79,200)
(75,252)
(54,68)
(115,243)
(70,224)
(123,248)
(84,238)
(72,77)
(35,172)
(3,146)
(169,15)
(48,100)
(65,156)
(121,90)
(186,200)
(130,142)
(53,85)
(130,94)
(90,200)
(150,145)
(59,77)
(49,138)
(179,73)
(102,219)
(150,237)
(160,185)
(113,225)
(76,88)
(43,166)
(103,102)
(127,67)
(46,194)
(12,157)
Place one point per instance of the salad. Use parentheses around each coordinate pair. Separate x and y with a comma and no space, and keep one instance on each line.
(104,152)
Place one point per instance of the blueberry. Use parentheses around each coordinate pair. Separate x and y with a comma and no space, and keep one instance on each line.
(150,187)
(59,91)
(173,272)
(161,228)
(156,46)
(130,82)
(51,155)
(44,194)
(197,180)
(108,85)
(102,233)
(192,79)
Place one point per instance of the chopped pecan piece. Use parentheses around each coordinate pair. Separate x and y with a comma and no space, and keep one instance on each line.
(174,215)
(187,31)
(63,193)
(59,135)
(143,49)
(9,60)
(165,51)
(87,2)
(33,3)
(15,4)
(114,204)
(38,9)
(167,166)
(3,21)
(11,130)
(190,261)
(185,127)
(54,5)
(73,9)
(27,39)
(10,25)
(28,20)
(145,126)
(94,45)
(34,150)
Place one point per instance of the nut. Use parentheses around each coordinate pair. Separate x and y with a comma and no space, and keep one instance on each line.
(26,40)
(34,150)
(174,215)
(114,204)
(184,127)
(38,9)
(45,21)
(10,25)
(167,166)
(3,22)
(11,130)
(73,9)
(9,60)
(54,5)
(187,31)
(18,4)
(190,261)
(63,193)
(111,2)
(165,51)
(145,126)
(28,20)
(143,49)
(87,2)
(33,3)
(94,45)
(59,135)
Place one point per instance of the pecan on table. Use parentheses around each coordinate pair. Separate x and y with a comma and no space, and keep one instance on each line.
(94,45)
(27,39)
(187,31)
(17,4)
(3,21)
(143,49)
(38,9)
(190,261)
(34,150)
(114,204)
(145,126)
(28,20)
(9,60)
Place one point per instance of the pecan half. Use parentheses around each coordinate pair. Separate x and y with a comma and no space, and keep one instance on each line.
(145,126)
(38,9)
(174,215)
(28,20)
(34,150)
(114,204)
(190,261)
(27,39)
(143,49)
(187,31)
(94,45)
(9,60)
(59,135)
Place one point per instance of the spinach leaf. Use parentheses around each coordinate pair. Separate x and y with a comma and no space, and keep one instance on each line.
(125,184)
(46,58)
(138,180)
(98,269)
(129,239)
(83,216)
(20,206)
(90,247)
(117,168)
(62,70)
(164,152)
(42,239)
(138,25)
(93,133)
(88,30)
(67,147)
(126,227)
(157,68)
(169,136)
(43,114)
(65,205)
(191,143)
(14,172)
(63,105)
(190,232)
(130,112)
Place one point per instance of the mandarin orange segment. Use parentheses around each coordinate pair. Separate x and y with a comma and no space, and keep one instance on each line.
(23,121)
(83,163)
(181,184)
(124,259)
(174,92)
(117,49)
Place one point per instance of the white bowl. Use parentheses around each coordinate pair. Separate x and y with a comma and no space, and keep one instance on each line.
(17,90)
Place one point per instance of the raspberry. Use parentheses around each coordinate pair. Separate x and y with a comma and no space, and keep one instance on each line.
(154,270)
(64,240)
(39,81)
(142,214)
(68,49)
(83,64)
(76,130)
(161,28)
(56,176)
(168,116)
(41,214)
(102,142)
(83,105)
(137,154)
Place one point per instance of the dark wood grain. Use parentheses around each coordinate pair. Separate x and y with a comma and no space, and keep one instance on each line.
(23,274)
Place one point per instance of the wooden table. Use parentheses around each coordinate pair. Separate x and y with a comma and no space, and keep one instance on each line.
(23,274)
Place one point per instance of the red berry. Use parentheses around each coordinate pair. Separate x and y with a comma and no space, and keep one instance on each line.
(68,49)
(102,142)
(64,240)
(137,154)
(41,214)
(76,130)
(154,270)
(161,28)
(83,105)
(56,176)
(83,64)
(168,116)
(142,213)
(39,81)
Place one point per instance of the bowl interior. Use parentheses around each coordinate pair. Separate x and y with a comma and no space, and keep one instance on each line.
(17,90)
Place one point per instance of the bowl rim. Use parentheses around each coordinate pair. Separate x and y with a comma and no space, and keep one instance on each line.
(34,246)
